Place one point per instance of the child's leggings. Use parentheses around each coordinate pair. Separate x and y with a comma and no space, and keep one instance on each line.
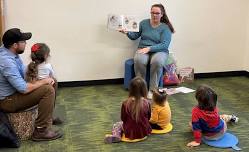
(117,129)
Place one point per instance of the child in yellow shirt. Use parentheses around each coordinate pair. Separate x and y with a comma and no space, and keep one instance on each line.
(160,113)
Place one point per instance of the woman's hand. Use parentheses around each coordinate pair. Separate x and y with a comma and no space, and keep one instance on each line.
(193,144)
(143,50)
(124,31)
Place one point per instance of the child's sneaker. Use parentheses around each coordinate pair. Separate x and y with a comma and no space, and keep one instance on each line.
(234,119)
(149,96)
(111,139)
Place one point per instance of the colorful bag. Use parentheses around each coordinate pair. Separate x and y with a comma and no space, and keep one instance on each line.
(170,77)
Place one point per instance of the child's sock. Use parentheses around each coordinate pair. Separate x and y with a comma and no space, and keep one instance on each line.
(234,119)
(230,118)
(111,139)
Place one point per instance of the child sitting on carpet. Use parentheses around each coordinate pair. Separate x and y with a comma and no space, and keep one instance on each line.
(135,114)
(205,118)
(161,113)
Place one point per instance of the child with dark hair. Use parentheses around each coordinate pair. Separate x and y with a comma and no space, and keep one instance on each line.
(39,68)
(161,113)
(206,120)
(135,114)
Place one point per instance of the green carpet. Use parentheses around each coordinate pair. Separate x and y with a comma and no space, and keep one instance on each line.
(90,111)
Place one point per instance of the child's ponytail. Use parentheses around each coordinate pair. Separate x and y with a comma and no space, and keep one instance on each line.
(32,72)
(39,52)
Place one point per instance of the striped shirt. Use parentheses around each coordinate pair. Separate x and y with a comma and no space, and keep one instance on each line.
(205,122)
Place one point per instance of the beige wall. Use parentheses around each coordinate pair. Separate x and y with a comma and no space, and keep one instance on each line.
(210,35)
(246,59)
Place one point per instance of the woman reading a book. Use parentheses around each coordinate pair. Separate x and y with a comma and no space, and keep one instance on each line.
(155,36)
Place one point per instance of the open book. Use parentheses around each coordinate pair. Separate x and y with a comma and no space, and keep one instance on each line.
(171,91)
(127,22)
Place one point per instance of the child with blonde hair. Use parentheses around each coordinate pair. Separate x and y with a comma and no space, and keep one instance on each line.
(135,114)
(206,120)
(160,113)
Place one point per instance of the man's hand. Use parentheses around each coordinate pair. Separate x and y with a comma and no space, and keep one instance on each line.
(143,50)
(39,83)
(193,144)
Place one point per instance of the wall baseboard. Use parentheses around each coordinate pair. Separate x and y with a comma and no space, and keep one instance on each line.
(90,82)
(221,74)
(121,80)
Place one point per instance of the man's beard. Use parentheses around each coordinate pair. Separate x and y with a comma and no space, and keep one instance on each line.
(19,51)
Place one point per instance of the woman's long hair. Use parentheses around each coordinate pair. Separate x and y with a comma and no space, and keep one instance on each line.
(39,53)
(164,18)
(137,92)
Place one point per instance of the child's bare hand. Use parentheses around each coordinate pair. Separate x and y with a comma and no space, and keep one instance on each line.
(48,81)
(193,144)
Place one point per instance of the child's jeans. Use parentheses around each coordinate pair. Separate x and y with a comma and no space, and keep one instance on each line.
(219,135)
